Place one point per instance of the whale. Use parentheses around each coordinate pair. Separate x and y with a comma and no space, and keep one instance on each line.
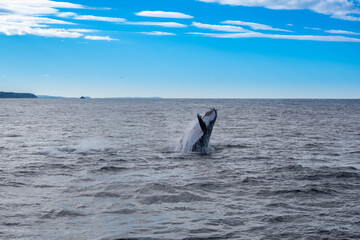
(197,138)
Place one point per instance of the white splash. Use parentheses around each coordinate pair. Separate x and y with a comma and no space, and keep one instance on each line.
(85,146)
(92,145)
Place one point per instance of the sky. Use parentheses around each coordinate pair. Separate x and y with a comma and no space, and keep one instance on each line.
(181,48)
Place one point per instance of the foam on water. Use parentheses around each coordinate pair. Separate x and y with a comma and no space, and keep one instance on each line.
(86,146)
(95,144)
(51,151)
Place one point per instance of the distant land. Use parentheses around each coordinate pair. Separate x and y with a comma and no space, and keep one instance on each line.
(30,95)
(16,95)
(87,97)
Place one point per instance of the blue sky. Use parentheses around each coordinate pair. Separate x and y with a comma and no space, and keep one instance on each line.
(181,48)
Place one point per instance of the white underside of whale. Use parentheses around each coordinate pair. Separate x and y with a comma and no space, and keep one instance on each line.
(193,134)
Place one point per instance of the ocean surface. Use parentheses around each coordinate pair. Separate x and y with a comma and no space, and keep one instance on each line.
(107,169)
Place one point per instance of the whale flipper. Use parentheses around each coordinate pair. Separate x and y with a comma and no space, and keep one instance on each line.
(202,124)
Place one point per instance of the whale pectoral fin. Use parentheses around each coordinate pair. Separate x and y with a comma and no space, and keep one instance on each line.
(202,124)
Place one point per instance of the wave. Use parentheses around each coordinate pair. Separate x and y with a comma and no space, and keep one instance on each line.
(111,169)
(62,213)
(12,135)
(124,211)
(107,195)
(85,147)
(184,197)
(298,192)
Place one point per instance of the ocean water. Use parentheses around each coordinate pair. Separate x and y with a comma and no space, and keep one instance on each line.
(107,169)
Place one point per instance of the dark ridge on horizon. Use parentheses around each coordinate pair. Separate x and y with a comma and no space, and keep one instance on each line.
(30,95)
(16,95)
(87,97)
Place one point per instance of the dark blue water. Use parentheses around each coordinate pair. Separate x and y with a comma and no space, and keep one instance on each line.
(107,169)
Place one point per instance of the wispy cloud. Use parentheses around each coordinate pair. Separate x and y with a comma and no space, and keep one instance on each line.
(159,24)
(43,32)
(333,31)
(342,32)
(29,21)
(36,7)
(341,9)
(41,18)
(222,28)
(157,33)
(66,14)
(98,18)
(162,14)
(82,30)
(100,38)
(255,26)
(278,36)
(313,28)
(119,20)
(12,24)
(34,17)
(90,17)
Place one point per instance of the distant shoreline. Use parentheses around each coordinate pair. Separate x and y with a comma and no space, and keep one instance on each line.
(31,95)
(17,95)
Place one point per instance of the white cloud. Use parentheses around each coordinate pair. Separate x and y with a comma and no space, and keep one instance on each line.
(223,28)
(81,30)
(25,17)
(342,9)
(36,7)
(160,24)
(11,24)
(66,14)
(97,18)
(43,32)
(22,17)
(342,32)
(30,21)
(157,33)
(106,38)
(278,36)
(348,18)
(161,14)
(333,31)
(313,28)
(90,17)
(255,26)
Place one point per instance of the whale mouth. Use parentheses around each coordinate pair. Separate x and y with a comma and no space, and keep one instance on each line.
(210,112)
(208,120)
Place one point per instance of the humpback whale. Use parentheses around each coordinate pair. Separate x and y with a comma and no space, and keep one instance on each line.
(197,138)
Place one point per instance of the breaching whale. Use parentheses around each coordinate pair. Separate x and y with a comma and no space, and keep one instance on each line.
(198,137)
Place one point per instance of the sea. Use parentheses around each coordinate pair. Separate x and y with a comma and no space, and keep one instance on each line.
(107,169)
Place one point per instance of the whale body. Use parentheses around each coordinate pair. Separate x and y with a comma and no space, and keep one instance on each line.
(197,138)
